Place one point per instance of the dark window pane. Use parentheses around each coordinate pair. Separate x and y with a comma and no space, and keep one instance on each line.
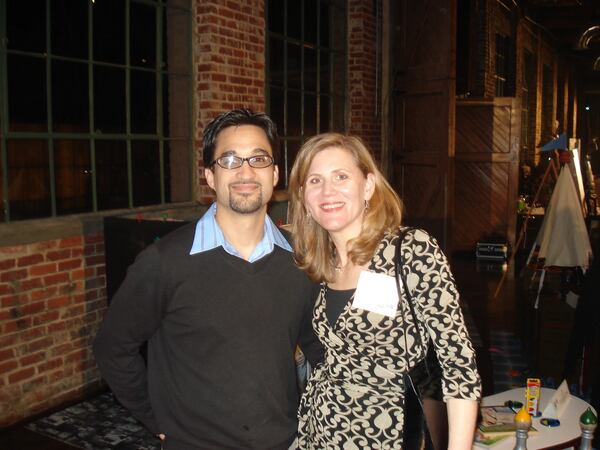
(69,28)
(310,21)
(28,179)
(276,62)
(310,69)
(109,30)
(146,173)
(73,175)
(293,66)
(325,70)
(70,96)
(310,115)
(293,114)
(143,35)
(294,15)
(26,25)
(143,102)
(323,114)
(324,25)
(276,108)
(27,93)
(276,18)
(109,100)
(111,174)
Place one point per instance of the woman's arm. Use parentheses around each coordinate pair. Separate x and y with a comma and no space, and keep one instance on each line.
(462,418)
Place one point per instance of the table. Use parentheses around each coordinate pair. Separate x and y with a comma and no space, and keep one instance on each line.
(565,436)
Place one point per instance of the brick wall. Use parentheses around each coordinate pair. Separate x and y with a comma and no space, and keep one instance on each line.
(229,57)
(363,78)
(51,299)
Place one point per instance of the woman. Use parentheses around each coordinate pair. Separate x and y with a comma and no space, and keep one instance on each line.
(345,218)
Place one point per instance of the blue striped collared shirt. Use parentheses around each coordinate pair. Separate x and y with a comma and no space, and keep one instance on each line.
(209,235)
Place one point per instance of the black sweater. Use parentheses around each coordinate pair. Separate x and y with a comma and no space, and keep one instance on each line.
(221,336)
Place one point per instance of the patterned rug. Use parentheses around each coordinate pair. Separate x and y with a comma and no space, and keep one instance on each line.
(98,424)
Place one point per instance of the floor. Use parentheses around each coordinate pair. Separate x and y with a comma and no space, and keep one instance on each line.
(508,339)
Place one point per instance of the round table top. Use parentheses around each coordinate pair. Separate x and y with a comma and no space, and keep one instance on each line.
(548,437)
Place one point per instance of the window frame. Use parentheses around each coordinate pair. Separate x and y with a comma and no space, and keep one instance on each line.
(338,99)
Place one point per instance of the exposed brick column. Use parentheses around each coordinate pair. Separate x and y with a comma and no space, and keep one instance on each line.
(363,82)
(52,299)
(229,60)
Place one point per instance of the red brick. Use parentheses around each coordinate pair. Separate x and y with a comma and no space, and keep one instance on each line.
(7,264)
(70,242)
(7,354)
(21,375)
(58,255)
(61,349)
(44,319)
(56,327)
(47,366)
(76,356)
(33,333)
(69,264)
(42,269)
(76,252)
(40,344)
(59,302)
(30,260)
(32,308)
(78,274)
(17,325)
(8,366)
(30,385)
(9,301)
(94,238)
(13,275)
(32,359)
(31,283)
(6,289)
(56,278)
(94,260)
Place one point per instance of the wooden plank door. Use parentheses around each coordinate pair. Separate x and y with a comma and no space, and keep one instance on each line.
(422,110)
(487,170)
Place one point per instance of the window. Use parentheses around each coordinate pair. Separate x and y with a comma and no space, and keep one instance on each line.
(306,71)
(502,65)
(95,110)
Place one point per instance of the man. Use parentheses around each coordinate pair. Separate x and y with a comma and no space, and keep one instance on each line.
(222,307)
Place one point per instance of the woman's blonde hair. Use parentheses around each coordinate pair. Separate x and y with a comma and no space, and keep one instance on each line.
(314,250)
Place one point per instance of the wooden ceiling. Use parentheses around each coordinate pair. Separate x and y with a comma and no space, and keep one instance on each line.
(575,25)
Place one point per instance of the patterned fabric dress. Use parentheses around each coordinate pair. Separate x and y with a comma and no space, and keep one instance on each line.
(355,399)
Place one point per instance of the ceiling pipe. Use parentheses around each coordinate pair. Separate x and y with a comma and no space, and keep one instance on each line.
(588,35)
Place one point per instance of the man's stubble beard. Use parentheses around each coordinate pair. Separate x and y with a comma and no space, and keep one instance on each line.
(246,203)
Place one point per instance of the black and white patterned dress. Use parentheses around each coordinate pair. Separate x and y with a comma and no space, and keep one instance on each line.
(355,399)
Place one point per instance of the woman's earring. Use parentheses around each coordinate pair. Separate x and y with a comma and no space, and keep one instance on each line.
(366,205)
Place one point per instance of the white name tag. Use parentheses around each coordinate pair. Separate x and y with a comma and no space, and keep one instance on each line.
(376,292)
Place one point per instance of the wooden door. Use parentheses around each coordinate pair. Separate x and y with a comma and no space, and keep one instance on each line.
(422,109)
(487,171)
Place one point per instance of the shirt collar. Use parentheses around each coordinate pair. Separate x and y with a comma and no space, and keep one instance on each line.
(209,235)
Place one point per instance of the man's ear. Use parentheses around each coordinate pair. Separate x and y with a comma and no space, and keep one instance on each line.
(210,178)
(275,175)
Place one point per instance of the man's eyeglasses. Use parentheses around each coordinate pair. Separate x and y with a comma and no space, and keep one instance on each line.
(234,162)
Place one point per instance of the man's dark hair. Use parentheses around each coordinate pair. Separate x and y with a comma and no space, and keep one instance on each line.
(235,118)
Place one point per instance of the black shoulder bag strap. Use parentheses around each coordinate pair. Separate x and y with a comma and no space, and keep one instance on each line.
(416,432)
